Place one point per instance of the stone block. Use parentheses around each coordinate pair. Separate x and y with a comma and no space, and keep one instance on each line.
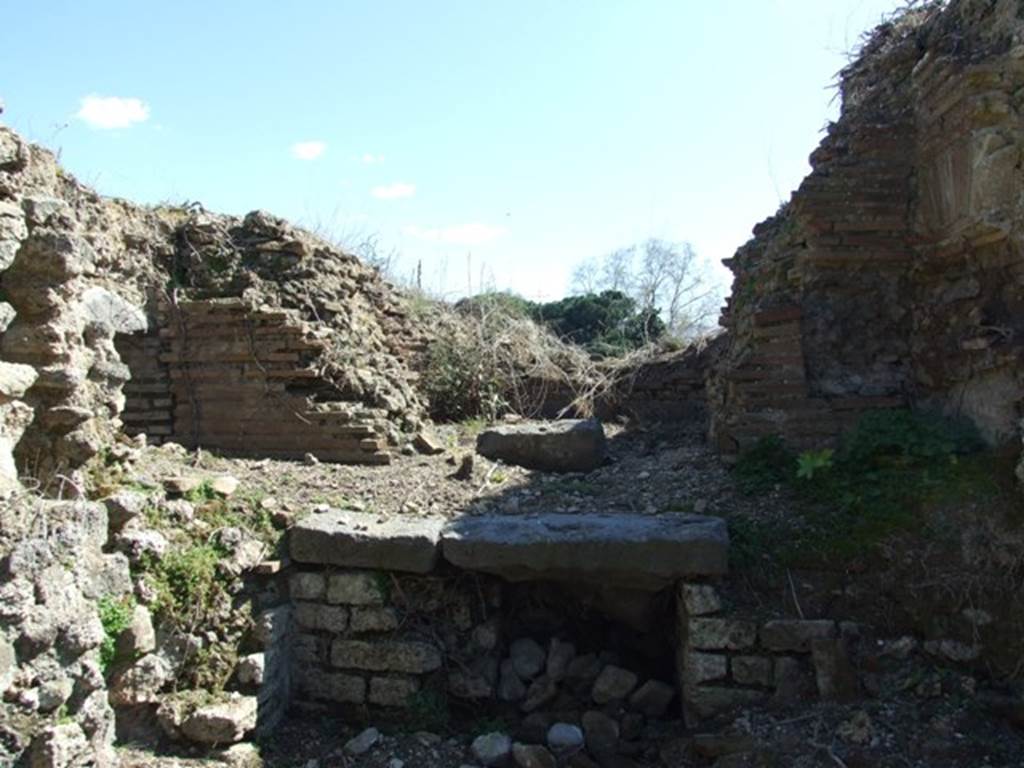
(355,588)
(329,618)
(705,701)
(751,670)
(409,656)
(793,680)
(362,540)
(721,634)
(833,671)
(393,691)
(306,649)
(333,686)
(373,619)
(699,599)
(567,445)
(795,635)
(652,698)
(307,586)
(613,550)
(704,667)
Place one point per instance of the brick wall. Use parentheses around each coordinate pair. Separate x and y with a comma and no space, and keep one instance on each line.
(225,376)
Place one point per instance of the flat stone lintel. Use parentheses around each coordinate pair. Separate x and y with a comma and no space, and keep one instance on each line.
(621,550)
(618,550)
(362,540)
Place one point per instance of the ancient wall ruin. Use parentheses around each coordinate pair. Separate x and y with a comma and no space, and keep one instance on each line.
(894,275)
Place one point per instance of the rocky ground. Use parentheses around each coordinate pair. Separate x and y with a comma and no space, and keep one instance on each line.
(926,717)
(915,713)
(649,472)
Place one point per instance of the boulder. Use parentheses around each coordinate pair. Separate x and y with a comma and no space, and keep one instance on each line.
(555,446)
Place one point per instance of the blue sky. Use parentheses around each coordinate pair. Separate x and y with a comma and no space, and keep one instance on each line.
(517,138)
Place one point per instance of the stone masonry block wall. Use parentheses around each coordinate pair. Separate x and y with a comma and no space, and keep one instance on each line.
(367,637)
(727,660)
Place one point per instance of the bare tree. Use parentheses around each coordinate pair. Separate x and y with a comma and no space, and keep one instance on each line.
(657,274)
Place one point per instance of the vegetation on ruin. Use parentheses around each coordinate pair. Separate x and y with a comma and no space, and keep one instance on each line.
(116,616)
(880,481)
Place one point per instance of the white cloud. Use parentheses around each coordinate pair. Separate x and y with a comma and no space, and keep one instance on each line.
(474,233)
(308,150)
(371,159)
(394,191)
(108,112)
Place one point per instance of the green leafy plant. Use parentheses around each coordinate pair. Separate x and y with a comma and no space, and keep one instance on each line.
(201,493)
(188,586)
(115,616)
(810,463)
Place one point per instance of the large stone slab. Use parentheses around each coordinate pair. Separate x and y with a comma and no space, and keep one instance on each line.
(621,550)
(554,446)
(361,540)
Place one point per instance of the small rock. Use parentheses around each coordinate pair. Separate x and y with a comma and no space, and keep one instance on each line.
(242,755)
(124,506)
(139,637)
(560,655)
(310,460)
(584,669)
(396,762)
(222,723)
(427,443)
(600,732)
(180,486)
(250,669)
(527,657)
(541,691)
(652,698)
(492,749)
(613,683)
(565,738)
(363,743)
(533,756)
(224,486)
(465,470)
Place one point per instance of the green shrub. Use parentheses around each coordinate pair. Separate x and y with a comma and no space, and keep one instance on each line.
(116,616)
(187,585)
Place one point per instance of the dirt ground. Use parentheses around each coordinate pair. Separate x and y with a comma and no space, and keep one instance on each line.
(649,472)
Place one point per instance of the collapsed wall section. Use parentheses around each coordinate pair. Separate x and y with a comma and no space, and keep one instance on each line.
(893,276)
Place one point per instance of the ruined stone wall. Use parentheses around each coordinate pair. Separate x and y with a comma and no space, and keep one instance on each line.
(85,287)
(894,274)
(53,570)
